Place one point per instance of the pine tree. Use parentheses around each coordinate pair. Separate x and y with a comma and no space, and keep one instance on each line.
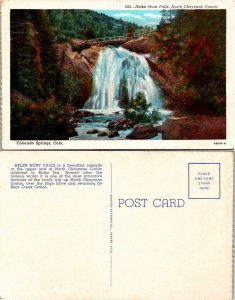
(49,58)
(25,69)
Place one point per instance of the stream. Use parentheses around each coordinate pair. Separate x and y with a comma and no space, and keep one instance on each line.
(100,122)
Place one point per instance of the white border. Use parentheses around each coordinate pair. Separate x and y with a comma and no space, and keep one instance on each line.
(229,5)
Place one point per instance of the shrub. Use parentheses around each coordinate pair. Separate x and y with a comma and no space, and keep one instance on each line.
(41,120)
(137,109)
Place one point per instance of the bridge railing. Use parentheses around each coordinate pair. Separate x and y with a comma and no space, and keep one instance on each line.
(106,39)
(138,33)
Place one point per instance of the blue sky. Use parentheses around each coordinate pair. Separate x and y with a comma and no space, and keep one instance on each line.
(140,17)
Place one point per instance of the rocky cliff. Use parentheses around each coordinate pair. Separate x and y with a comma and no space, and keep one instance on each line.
(81,66)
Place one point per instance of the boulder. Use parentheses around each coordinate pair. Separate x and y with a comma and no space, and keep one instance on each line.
(143,131)
(92,131)
(121,124)
(74,121)
(113,133)
(87,120)
(78,114)
(102,133)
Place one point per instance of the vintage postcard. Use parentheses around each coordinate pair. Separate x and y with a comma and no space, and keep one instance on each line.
(118,74)
(116,225)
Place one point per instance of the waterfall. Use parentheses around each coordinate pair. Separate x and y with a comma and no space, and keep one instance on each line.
(120,72)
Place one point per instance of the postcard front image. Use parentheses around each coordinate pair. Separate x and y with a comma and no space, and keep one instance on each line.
(100,78)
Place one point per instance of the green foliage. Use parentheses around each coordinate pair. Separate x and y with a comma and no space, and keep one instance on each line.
(48,53)
(24,66)
(68,89)
(89,33)
(40,120)
(17,112)
(137,109)
(124,98)
(34,61)
(167,15)
(35,75)
(87,24)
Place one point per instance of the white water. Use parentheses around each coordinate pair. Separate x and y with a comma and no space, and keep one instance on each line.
(113,67)
(101,120)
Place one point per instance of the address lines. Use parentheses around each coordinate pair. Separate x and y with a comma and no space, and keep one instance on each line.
(111,227)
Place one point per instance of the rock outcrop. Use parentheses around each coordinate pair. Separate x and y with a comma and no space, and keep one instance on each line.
(142,45)
(194,128)
(81,65)
(143,131)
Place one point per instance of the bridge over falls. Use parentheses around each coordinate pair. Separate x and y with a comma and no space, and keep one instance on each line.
(122,39)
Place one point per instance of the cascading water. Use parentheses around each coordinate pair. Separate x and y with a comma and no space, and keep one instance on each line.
(118,76)
(118,67)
